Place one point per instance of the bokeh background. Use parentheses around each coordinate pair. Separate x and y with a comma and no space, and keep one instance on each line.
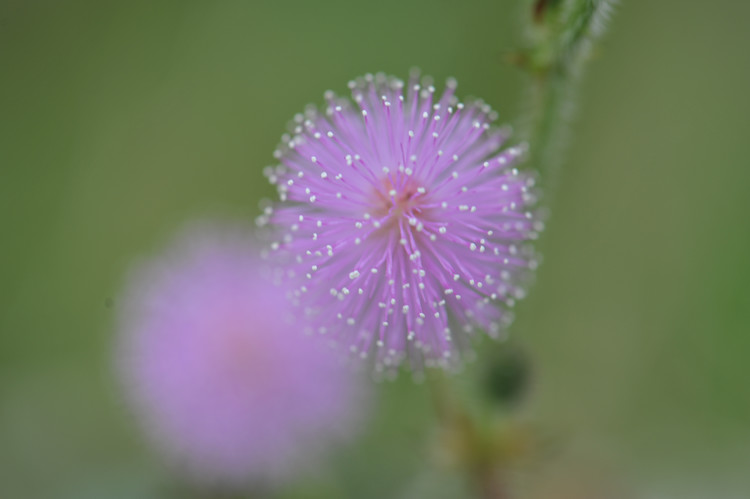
(119,122)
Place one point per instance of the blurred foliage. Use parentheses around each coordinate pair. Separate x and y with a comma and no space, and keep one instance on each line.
(122,121)
(507,376)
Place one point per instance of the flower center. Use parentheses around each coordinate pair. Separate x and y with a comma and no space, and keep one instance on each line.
(394,201)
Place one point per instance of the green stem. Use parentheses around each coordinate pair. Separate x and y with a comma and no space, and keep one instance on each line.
(550,97)
(467,440)
(562,34)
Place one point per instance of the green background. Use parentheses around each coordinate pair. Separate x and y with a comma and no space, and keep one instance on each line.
(121,122)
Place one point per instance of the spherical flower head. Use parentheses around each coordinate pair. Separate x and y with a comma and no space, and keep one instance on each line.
(226,386)
(404,218)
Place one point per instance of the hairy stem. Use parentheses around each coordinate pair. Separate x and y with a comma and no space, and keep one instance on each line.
(561,36)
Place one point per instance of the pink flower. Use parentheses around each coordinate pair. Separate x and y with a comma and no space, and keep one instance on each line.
(224,383)
(404,218)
